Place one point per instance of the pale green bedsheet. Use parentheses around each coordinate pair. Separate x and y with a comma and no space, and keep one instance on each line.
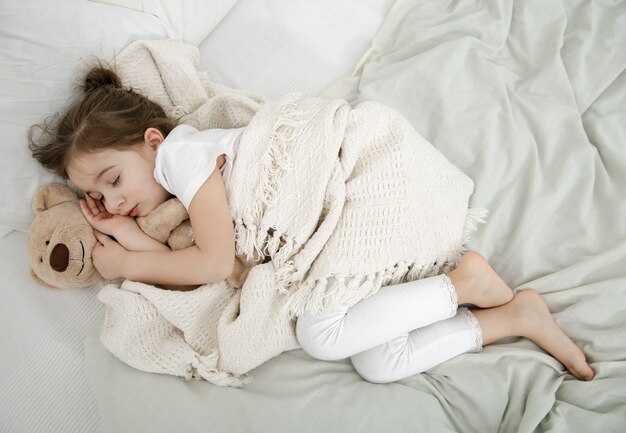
(529,99)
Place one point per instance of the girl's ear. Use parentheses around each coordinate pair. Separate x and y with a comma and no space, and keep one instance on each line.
(153,137)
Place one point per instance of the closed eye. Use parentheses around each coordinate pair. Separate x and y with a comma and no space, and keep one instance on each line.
(116,182)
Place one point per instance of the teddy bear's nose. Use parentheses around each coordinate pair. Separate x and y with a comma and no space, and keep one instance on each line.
(60,257)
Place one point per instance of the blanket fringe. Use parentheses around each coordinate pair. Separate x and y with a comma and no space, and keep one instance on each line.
(273,243)
(284,276)
(246,240)
(205,367)
(320,295)
(277,160)
(475,216)
(289,248)
(252,239)
(317,296)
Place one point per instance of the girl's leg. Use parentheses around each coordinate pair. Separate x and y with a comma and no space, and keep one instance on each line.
(525,316)
(396,310)
(392,311)
(421,349)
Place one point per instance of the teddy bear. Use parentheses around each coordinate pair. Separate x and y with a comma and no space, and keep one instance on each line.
(60,240)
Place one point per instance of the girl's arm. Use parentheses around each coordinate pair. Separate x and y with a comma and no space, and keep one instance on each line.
(137,240)
(210,260)
(142,242)
(133,238)
(125,230)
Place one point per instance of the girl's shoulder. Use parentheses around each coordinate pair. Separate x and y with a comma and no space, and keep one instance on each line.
(189,134)
(188,156)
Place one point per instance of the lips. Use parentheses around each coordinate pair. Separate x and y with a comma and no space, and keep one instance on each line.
(132,212)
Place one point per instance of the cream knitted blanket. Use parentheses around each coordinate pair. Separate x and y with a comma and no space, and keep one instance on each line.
(334,201)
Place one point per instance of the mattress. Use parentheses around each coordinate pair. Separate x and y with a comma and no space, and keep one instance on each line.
(299,46)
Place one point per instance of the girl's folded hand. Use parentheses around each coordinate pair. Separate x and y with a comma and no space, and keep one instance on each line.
(108,257)
(103,221)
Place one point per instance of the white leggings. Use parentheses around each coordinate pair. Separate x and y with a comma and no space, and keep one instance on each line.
(401,330)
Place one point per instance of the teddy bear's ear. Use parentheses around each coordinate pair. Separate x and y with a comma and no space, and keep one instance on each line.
(41,282)
(51,195)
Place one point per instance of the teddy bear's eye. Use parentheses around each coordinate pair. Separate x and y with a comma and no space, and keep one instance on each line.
(47,242)
(41,259)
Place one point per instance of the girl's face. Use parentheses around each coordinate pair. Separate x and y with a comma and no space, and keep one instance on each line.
(122,179)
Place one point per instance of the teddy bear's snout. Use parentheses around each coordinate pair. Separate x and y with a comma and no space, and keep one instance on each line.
(60,257)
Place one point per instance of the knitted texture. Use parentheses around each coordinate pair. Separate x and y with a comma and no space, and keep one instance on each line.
(318,192)
(215,332)
(356,195)
(394,208)
(166,73)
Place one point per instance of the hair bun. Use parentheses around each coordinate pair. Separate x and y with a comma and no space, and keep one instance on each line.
(99,77)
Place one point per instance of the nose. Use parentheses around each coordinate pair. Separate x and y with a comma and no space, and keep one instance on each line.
(60,257)
(115,204)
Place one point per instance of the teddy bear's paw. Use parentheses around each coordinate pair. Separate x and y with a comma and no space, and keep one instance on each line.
(181,237)
(162,220)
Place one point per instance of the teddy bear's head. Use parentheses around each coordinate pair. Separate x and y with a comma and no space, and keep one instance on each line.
(60,240)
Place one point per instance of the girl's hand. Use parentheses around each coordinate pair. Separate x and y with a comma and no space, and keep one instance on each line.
(108,257)
(103,221)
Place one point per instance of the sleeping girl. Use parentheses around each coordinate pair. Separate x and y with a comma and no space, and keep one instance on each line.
(128,157)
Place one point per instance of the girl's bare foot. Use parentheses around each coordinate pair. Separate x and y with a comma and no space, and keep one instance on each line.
(534,321)
(478,284)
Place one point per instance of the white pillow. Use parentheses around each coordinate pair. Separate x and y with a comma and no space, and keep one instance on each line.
(190,20)
(43,46)
(274,47)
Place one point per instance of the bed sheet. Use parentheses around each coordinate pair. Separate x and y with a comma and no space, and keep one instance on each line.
(43,380)
(528,99)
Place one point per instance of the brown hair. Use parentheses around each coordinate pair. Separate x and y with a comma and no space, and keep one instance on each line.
(106,116)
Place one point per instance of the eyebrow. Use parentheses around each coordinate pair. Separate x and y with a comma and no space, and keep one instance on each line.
(100,175)
(104,171)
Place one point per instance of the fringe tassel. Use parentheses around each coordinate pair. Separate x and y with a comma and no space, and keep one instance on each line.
(333,297)
(289,249)
(246,241)
(316,300)
(277,160)
(475,216)
(320,295)
(398,273)
(252,240)
(273,244)
(296,301)
(205,367)
(414,273)
(364,290)
(284,277)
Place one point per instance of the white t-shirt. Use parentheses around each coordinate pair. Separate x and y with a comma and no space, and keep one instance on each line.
(187,157)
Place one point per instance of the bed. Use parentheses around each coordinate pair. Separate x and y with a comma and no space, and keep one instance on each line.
(527,98)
